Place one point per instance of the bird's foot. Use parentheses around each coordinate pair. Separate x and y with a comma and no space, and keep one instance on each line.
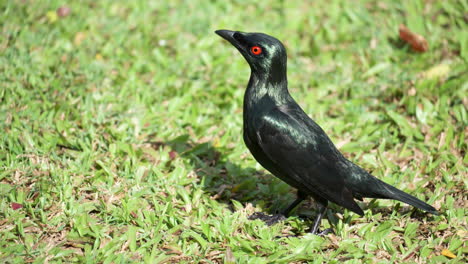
(324,232)
(268,219)
(303,217)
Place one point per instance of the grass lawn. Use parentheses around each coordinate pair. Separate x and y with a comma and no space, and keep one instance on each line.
(121,127)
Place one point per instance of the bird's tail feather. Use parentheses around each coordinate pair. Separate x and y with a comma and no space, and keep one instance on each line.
(371,187)
(391,192)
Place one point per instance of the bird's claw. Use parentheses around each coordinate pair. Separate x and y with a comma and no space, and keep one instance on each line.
(324,232)
(268,219)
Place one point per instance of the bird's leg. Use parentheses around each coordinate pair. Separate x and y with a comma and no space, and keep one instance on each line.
(300,197)
(318,219)
(273,219)
(315,229)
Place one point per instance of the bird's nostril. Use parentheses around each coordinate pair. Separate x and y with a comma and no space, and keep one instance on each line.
(236,36)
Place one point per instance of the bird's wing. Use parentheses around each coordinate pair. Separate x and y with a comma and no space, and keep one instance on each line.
(300,148)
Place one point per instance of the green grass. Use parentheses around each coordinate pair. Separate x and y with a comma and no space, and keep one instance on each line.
(122,131)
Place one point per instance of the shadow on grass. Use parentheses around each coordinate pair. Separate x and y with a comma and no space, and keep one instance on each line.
(225,181)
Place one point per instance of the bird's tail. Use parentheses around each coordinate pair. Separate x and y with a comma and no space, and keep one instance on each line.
(396,194)
(383,190)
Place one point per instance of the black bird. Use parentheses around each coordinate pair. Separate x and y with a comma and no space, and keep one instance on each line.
(289,144)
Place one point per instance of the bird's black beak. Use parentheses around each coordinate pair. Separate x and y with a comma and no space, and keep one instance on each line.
(229,36)
(226,34)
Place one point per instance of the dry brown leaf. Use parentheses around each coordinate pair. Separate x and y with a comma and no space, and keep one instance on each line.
(229,257)
(16,206)
(63,11)
(417,42)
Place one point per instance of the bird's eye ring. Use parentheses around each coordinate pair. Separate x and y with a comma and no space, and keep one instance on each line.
(256,50)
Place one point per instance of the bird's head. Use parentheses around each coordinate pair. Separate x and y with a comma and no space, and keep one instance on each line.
(265,54)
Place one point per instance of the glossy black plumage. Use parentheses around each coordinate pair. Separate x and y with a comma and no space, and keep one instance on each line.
(289,144)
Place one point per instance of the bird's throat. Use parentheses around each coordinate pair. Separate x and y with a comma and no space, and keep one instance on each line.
(261,88)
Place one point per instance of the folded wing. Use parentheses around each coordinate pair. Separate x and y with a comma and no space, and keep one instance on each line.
(297,146)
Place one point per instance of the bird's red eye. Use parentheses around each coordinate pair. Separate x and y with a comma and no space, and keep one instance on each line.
(256,50)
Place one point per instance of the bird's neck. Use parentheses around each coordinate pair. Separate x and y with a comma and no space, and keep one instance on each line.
(266,87)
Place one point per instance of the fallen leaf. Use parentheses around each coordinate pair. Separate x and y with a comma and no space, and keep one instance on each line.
(172,155)
(448,254)
(52,16)
(216,142)
(63,11)
(437,71)
(16,206)
(229,257)
(462,233)
(79,37)
(417,42)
